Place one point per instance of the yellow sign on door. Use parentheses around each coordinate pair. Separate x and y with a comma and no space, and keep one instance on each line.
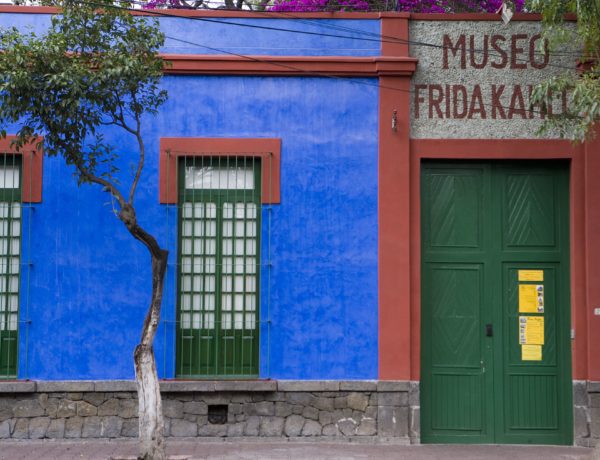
(531,352)
(531,330)
(531,298)
(531,275)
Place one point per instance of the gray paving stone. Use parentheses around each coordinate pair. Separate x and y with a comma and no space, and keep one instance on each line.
(67,386)
(130,428)
(293,425)
(282,409)
(358,401)
(392,399)
(17,387)
(128,408)
(308,385)
(5,429)
(392,421)
(56,429)
(252,426)
(212,430)
(271,426)
(323,403)
(358,385)
(85,409)
(311,428)
(311,413)
(367,427)
(38,427)
(92,427)
(66,408)
(109,407)
(183,428)
(115,386)
(28,408)
(195,407)
(347,426)
(73,427)
(21,429)
(393,385)
(111,427)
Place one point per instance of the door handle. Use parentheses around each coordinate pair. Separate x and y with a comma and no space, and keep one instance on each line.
(489,330)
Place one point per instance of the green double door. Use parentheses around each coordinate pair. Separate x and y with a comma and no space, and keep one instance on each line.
(495,337)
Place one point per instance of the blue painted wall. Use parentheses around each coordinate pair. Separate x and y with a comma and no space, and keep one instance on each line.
(87,288)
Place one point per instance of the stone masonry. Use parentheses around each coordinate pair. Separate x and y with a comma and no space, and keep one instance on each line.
(108,409)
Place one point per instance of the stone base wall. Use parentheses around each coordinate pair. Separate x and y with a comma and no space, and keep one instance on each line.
(586,413)
(291,409)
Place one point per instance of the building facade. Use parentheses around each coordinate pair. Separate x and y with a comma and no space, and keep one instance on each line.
(366,236)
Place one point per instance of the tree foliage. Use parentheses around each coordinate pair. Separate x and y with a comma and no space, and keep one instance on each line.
(96,66)
(582,87)
(89,70)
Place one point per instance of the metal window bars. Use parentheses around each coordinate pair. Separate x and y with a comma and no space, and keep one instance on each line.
(10,262)
(219,269)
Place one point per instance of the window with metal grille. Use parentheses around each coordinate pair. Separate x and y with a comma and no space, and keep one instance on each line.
(218,260)
(10,262)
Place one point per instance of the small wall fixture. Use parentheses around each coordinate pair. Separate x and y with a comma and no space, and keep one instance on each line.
(394,120)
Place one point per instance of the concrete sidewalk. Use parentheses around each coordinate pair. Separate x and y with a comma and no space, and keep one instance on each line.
(190,449)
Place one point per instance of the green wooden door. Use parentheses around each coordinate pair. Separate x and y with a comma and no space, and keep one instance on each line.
(495,303)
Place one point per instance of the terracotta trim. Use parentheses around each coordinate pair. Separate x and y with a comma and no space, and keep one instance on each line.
(171,148)
(214,13)
(31,188)
(198,64)
(513,149)
(393,207)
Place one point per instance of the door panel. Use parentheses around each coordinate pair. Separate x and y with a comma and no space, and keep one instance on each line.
(483,379)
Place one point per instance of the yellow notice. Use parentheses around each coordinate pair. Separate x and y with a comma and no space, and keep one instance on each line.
(531,330)
(531,352)
(527,298)
(531,275)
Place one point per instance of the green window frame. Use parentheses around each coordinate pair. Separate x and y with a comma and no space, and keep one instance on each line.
(218,267)
(10,262)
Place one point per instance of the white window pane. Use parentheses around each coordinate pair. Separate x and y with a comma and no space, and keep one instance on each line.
(186,283)
(186,228)
(251,210)
(251,247)
(186,210)
(250,321)
(9,177)
(15,246)
(13,284)
(250,265)
(2,325)
(239,284)
(186,246)
(197,283)
(209,320)
(198,265)
(209,282)
(226,283)
(238,320)
(211,228)
(239,265)
(186,321)
(197,302)
(226,302)
(198,210)
(198,228)
(4,228)
(198,244)
(211,246)
(226,321)
(13,303)
(196,321)
(239,210)
(219,178)
(186,301)
(16,210)
(209,302)
(239,246)
(186,264)
(3,246)
(4,210)
(227,264)
(227,247)
(239,229)
(250,283)
(211,210)
(16,228)
(12,323)
(2,304)
(14,265)
(250,302)
(250,228)
(228,228)
(239,302)
(227,210)
(210,266)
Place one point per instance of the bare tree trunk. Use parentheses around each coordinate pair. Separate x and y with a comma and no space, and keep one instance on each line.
(151,425)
